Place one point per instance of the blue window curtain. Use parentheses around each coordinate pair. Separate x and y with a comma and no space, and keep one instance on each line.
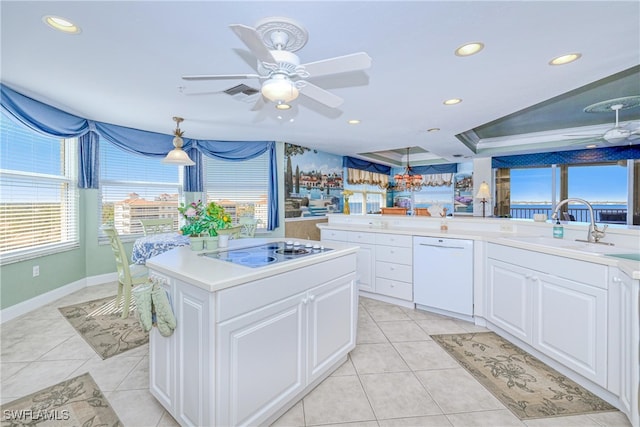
(353,163)
(606,154)
(435,169)
(51,121)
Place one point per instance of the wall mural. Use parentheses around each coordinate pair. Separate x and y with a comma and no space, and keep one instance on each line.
(312,182)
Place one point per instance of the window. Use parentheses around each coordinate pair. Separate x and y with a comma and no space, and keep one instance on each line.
(372,194)
(134,187)
(242,188)
(604,185)
(38,197)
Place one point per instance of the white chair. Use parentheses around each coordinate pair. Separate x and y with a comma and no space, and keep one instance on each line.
(248,226)
(128,275)
(157,225)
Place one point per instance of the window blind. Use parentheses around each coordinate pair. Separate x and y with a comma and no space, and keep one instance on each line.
(136,187)
(240,187)
(38,194)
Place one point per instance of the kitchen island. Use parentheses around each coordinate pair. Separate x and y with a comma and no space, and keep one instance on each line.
(250,340)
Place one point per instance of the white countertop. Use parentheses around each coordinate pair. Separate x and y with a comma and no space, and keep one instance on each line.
(213,275)
(569,248)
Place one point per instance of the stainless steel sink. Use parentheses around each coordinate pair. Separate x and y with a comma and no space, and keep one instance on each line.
(577,246)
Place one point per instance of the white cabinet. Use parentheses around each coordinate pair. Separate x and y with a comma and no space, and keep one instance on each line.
(394,266)
(563,318)
(624,325)
(365,257)
(509,298)
(241,354)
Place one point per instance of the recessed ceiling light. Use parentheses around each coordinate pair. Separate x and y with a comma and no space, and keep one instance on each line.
(469,49)
(354,122)
(61,24)
(565,59)
(433,130)
(591,146)
(282,106)
(452,101)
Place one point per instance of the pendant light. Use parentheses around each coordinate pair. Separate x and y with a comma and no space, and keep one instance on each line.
(178,156)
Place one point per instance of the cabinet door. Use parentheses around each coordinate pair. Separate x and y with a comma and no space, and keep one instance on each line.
(509,298)
(365,267)
(331,307)
(261,360)
(571,321)
(193,355)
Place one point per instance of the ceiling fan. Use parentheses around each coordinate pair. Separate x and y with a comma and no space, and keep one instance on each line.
(617,133)
(273,42)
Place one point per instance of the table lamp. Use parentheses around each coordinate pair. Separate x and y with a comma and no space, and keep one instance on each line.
(483,193)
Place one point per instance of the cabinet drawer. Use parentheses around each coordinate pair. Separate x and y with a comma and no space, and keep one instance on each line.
(389,270)
(339,235)
(394,254)
(361,237)
(394,240)
(394,288)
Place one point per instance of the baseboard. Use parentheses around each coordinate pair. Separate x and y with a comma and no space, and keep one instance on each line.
(34,303)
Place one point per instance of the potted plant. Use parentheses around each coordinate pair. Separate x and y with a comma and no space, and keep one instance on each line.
(195,224)
(215,218)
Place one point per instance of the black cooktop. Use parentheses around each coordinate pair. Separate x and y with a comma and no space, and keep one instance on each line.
(268,253)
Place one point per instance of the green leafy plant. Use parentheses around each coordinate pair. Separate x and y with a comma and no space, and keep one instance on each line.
(215,218)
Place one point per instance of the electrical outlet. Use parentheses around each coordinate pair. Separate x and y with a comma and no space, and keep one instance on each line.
(36,270)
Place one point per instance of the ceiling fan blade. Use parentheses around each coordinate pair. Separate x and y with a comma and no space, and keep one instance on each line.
(221,77)
(340,64)
(322,96)
(252,40)
(259,104)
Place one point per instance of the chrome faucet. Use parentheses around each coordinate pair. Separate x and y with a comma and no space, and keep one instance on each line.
(594,234)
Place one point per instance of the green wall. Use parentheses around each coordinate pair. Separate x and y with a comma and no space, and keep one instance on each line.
(17,283)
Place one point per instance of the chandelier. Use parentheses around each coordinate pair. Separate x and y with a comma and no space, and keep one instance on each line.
(408,180)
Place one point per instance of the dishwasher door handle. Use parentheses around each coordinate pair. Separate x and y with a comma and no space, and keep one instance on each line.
(441,247)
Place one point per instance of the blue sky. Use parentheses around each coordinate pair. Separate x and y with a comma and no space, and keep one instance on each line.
(592,183)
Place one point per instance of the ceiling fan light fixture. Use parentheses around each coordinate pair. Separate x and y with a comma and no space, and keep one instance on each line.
(469,49)
(565,59)
(282,106)
(280,89)
(61,24)
(178,156)
(452,101)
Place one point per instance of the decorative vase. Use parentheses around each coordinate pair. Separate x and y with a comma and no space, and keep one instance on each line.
(345,209)
(196,243)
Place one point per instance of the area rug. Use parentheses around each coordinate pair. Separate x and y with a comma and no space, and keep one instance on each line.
(74,402)
(101,326)
(523,383)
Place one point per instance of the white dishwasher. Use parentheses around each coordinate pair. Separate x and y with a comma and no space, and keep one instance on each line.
(443,276)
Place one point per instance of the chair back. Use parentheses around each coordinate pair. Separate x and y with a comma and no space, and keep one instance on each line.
(248,226)
(233,232)
(157,225)
(120,254)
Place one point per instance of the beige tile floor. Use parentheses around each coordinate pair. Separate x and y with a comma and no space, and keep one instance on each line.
(396,376)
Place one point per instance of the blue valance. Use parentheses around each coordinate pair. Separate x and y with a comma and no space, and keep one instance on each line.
(435,169)
(51,121)
(353,163)
(606,154)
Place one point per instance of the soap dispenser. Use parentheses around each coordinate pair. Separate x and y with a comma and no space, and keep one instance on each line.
(558,230)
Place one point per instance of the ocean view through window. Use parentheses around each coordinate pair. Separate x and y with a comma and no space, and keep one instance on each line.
(537,190)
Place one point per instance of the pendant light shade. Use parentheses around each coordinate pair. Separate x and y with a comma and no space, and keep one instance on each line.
(178,156)
(279,89)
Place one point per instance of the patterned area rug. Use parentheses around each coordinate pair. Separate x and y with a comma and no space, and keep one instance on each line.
(100,325)
(523,383)
(74,402)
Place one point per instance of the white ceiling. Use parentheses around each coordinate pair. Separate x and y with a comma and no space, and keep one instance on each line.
(125,66)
